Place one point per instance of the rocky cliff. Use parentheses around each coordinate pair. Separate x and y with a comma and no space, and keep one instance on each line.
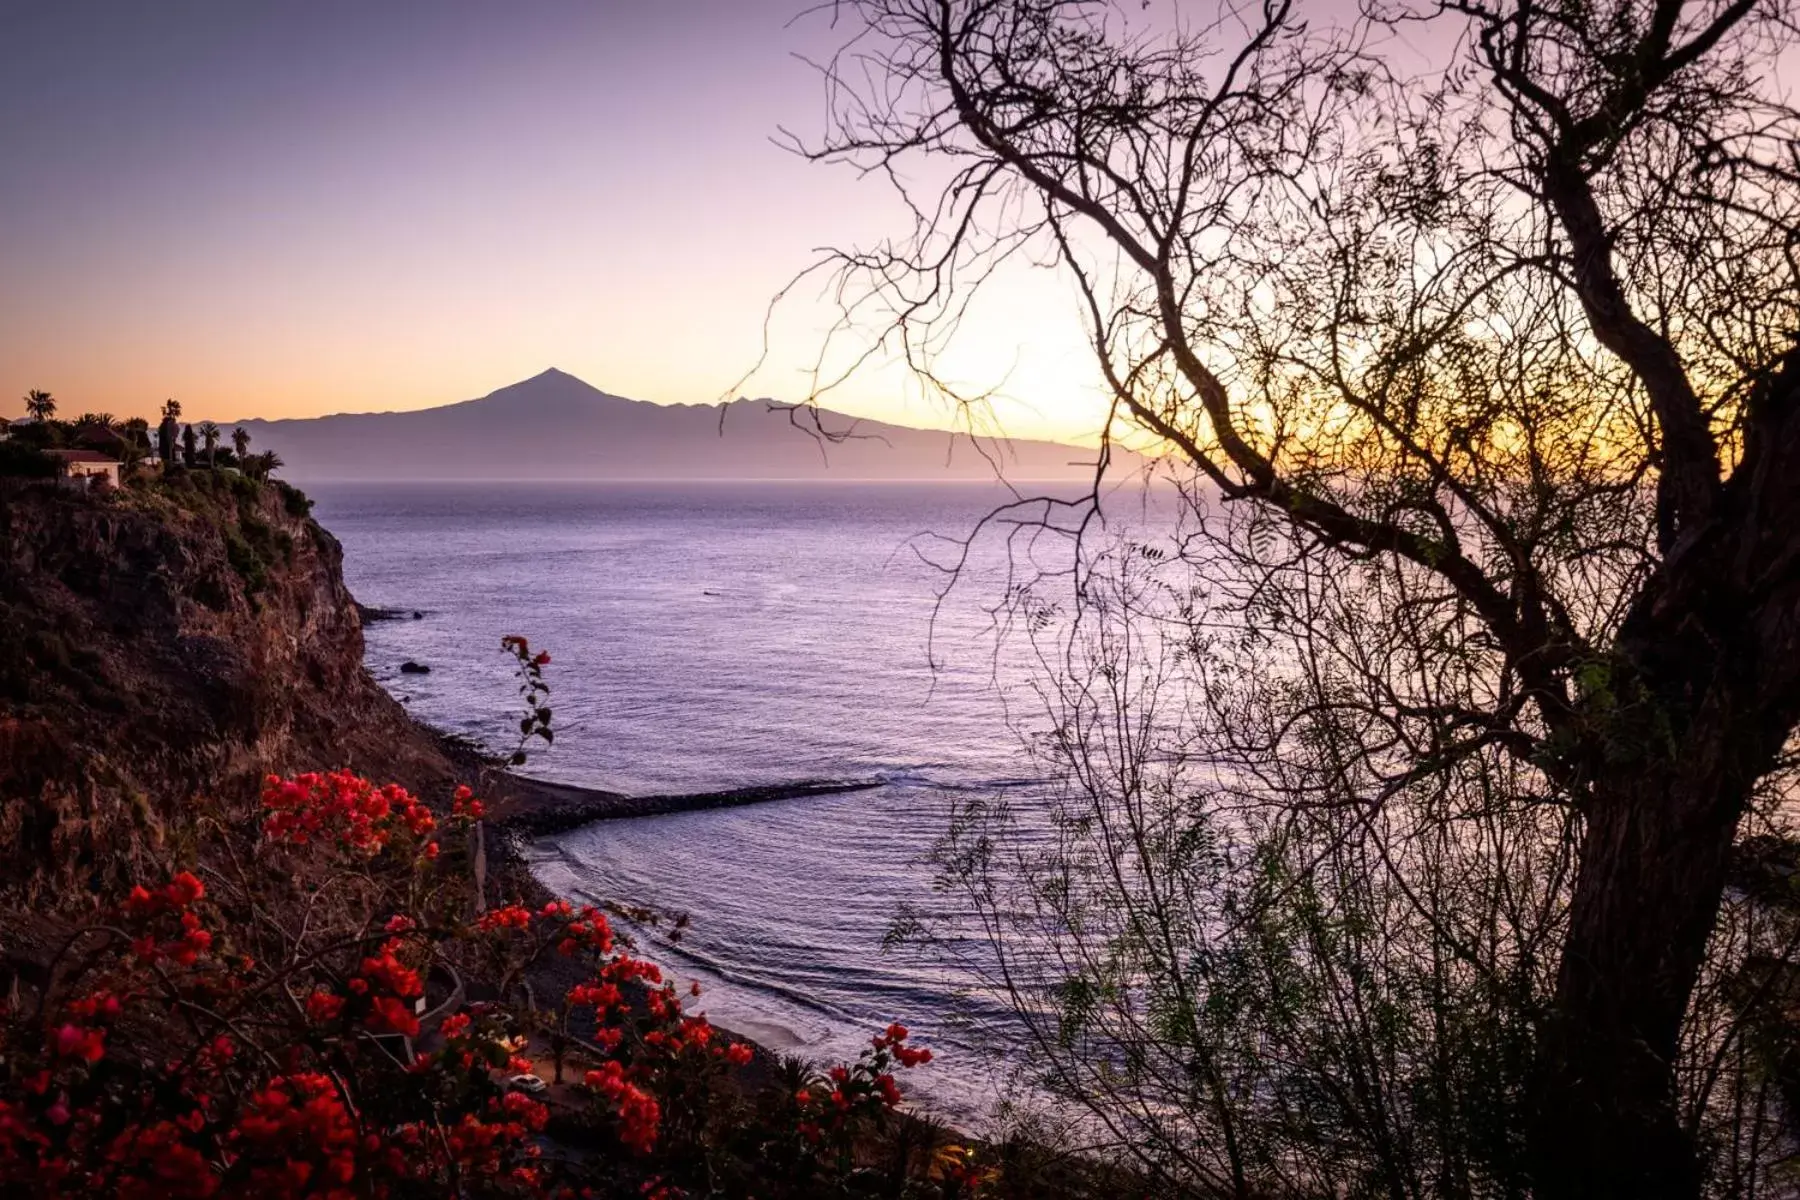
(161,648)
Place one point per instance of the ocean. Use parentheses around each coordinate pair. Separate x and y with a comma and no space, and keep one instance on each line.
(712,636)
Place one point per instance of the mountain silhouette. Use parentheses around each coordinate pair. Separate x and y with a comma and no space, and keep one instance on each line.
(554,426)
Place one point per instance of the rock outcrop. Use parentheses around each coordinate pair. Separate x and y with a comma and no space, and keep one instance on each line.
(162,649)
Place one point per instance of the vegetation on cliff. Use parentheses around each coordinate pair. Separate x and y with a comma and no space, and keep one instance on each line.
(168,641)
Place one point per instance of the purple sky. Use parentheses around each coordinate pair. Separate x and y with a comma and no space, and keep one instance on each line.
(285,209)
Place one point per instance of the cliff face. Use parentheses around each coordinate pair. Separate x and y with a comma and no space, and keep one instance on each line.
(162,650)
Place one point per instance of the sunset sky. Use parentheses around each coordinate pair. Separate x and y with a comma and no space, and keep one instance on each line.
(294,209)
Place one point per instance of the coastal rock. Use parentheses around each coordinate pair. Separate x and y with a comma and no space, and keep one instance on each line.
(371,614)
(409,667)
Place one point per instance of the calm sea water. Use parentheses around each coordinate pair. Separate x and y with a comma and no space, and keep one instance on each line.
(707,637)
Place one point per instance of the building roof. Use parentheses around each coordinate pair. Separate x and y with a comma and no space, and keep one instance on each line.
(81,456)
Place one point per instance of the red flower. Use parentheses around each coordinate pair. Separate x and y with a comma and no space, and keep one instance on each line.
(324,1007)
(299,1128)
(75,1041)
(639,1114)
(513,916)
(391,974)
(184,889)
(525,1110)
(391,1015)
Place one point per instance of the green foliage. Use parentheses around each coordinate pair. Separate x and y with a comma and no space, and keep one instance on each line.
(19,460)
(45,435)
(294,502)
(1251,997)
(255,545)
(240,487)
(244,559)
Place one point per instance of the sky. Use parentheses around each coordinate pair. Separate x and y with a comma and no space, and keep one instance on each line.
(291,209)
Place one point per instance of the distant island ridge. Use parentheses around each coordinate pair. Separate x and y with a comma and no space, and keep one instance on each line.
(554,426)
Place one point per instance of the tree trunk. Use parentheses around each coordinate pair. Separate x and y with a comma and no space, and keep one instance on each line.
(1706,690)
(1653,868)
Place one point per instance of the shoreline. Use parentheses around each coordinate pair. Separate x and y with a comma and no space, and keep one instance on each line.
(521,809)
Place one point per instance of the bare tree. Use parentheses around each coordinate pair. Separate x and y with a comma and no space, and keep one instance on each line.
(1498,355)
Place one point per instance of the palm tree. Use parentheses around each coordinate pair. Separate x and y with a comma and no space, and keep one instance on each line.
(240,442)
(261,466)
(40,405)
(209,436)
(172,409)
(102,420)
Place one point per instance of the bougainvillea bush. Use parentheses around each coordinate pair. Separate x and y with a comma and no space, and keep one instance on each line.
(321,1007)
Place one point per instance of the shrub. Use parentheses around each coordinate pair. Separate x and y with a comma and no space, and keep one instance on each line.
(246,562)
(294,501)
(293,1015)
(19,460)
(292,1020)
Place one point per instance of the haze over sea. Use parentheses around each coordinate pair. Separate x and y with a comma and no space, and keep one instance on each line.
(718,635)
